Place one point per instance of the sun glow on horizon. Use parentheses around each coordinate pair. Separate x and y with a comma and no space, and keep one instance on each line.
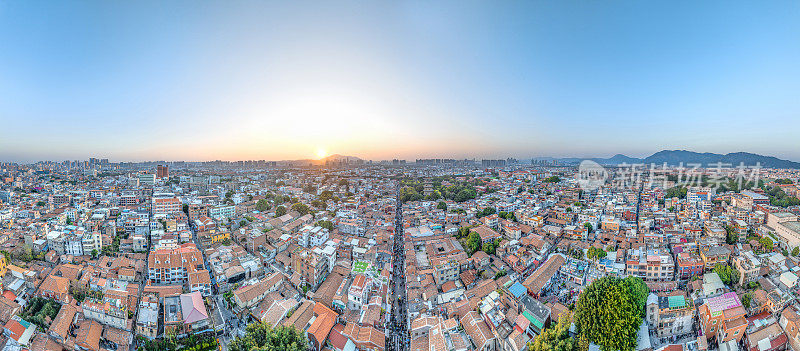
(321,153)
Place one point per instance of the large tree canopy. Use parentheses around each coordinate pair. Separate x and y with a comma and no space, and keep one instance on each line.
(556,337)
(727,274)
(301,208)
(595,253)
(610,311)
(261,337)
(262,205)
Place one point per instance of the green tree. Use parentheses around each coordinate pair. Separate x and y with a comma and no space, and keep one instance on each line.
(25,253)
(485,212)
(610,311)
(325,195)
(489,248)
(280,211)
(262,337)
(40,311)
(300,208)
(746,299)
(463,232)
(325,224)
(595,253)
(552,179)
(731,237)
(753,285)
(588,227)
(442,205)
(473,243)
(728,275)
(767,243)
(556,337)
(464,195)
(262,205)
(777,197)
(796,251)
(507,215)
(409,194)
(678,191)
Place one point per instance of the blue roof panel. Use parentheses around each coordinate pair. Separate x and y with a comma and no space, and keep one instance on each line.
(517,290)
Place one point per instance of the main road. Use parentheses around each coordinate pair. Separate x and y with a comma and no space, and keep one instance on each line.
(397,337)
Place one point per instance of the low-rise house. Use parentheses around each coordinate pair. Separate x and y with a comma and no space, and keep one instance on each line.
(324,320)
(722,317)
(688,265)
(765,335)
(195,315)
(543,276)
(486,233)
(61,326)
(365,337)
(250,295)
(748,266)
(147,318)
(712,255)
(790,322)
(669,316)
(88,333)
(481,336)
(56,288)
(650,265)
(19,331)
(8,309)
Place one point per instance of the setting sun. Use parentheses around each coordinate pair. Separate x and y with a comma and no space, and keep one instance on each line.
(321,153)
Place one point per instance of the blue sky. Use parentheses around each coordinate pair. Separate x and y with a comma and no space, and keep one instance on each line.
(282,80)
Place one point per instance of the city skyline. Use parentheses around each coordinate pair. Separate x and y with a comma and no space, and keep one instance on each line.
(304,175)
(154,81)
(670,158)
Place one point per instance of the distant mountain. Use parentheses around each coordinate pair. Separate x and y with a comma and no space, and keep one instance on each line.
(675,157)
(735,158)
(617,159)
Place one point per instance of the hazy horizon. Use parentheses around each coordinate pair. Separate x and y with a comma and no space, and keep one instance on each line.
(284,81)
(525,158)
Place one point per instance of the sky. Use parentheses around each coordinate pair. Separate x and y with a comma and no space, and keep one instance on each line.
(235,80)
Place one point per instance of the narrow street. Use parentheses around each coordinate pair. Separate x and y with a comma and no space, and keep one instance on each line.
(397,337)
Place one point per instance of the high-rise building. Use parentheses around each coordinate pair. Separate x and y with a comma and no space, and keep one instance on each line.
(162,171)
